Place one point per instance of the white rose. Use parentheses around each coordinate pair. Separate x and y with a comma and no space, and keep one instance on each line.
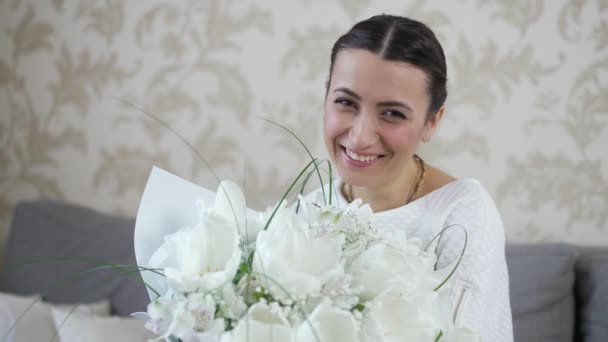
(290,260)
(393,262)
(396,316)
(263,323)
(206,256)
(328,323)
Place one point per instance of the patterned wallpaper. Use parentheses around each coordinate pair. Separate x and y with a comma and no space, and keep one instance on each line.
(527,108)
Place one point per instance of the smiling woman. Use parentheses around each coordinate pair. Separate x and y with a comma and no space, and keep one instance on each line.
(385,96)
(375,117)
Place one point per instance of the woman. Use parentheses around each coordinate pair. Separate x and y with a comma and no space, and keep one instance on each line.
(385,95)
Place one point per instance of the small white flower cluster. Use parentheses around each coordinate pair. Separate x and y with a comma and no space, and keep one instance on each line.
(324,274)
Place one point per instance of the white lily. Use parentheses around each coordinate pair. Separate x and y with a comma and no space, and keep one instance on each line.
(232,305)
(351,224)
(188,317)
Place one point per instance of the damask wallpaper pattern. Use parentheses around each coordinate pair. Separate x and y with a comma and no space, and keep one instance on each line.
(527,107)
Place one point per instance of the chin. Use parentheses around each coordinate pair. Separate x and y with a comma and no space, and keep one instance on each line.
(358,173)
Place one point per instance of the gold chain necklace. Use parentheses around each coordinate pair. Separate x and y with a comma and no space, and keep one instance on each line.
(413,191)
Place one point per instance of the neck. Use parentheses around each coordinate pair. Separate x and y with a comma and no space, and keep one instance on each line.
(390,195)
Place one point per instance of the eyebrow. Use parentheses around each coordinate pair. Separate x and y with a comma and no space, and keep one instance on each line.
(379,104)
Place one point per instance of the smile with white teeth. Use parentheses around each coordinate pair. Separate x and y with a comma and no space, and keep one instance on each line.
(361,158)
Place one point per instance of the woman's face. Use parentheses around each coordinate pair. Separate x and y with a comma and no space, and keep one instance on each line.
(374,119)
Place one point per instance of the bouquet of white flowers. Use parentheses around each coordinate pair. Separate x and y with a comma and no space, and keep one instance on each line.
(310,271)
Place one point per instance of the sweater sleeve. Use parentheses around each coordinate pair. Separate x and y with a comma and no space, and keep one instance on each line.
(480,286)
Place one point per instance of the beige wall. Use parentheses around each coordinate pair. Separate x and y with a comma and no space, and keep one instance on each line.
(527,109)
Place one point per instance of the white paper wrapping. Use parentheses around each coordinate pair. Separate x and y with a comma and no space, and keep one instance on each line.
(167,205)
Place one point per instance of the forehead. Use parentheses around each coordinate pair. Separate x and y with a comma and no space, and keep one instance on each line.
(371,76)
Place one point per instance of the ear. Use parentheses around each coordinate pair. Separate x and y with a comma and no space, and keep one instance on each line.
(431,125)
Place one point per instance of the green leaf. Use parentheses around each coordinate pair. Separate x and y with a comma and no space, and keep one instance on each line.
(439,335)
(307,151)
(464,248)
(358,307)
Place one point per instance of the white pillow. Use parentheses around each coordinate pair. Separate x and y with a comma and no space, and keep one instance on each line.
(34,325)
(81,327)
(37,323)
(101,308)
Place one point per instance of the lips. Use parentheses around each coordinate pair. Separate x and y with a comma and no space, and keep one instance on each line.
(359,159)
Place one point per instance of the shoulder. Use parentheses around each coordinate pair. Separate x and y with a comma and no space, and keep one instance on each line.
(435,179)
(463,202)
(469,217)
(468,200)
(447,190)
(466,203)
(439,182)
(459,197)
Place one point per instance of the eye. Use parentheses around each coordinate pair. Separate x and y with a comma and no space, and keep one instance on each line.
(394,114)
(342,101)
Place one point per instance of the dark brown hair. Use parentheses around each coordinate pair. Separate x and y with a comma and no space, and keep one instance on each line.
(400,39)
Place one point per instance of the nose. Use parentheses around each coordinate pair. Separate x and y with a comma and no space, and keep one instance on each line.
(364,131)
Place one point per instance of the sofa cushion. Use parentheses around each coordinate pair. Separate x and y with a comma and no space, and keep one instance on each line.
(80,327)
(541,280)
(26,318)
(592,295)
(45,229)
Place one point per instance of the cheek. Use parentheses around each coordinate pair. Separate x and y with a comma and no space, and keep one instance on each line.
(333,124)
(405,139)
(333,127)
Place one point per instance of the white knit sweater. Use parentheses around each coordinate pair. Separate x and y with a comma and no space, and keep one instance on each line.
(480,286)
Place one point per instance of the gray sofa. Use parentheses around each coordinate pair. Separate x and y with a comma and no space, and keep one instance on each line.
(558,292)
